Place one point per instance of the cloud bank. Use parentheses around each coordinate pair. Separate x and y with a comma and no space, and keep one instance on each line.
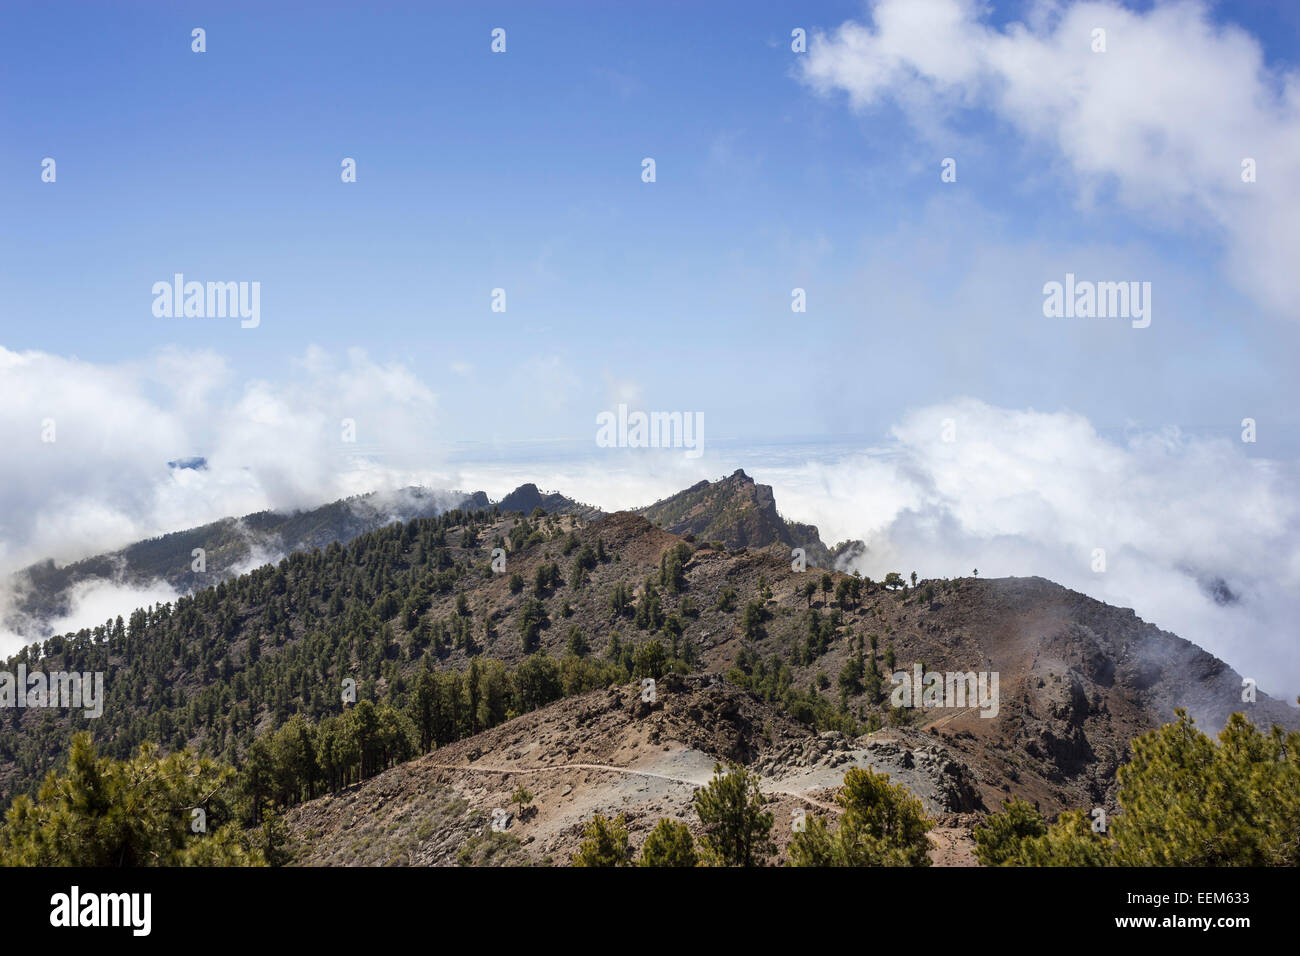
(89,445)
(1161,121)
(1198,537)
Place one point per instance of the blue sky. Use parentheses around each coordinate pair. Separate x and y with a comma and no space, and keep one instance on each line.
(521,171)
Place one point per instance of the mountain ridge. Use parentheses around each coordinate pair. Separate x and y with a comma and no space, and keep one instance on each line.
(233,545)
(232,663)
(739,512)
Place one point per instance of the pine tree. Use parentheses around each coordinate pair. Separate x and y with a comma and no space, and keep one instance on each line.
(882,825)
(1184,801)
(139,812)
(669,844)
(737,830)
(998,839)
(605,843)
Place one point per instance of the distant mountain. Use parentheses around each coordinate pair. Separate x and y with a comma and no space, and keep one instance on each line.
(527,498)
(233,546)
(734,511)
(741,514)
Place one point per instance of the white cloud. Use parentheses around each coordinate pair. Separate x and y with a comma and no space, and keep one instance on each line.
(94,602)
(1029,493)
(104,480)
(1164,116)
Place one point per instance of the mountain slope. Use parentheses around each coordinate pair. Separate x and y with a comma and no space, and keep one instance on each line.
(1078,679)
(45,592)
(739,513)
(609,752)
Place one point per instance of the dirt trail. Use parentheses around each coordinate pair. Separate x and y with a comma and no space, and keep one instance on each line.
(950,846)
(833,808)
(950,717)
(605,753)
